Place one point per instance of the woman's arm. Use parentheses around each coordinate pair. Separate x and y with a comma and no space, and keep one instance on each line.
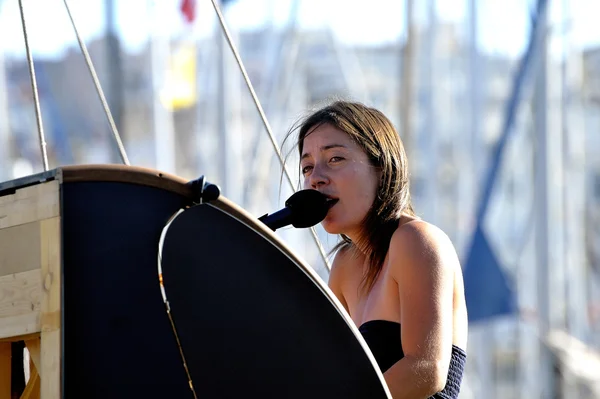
(423,263)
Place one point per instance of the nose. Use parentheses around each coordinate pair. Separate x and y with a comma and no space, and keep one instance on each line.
(317,178)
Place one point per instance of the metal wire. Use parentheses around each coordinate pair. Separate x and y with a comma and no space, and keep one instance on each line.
(34,89)
(99,91)
(264,119)
(163,292)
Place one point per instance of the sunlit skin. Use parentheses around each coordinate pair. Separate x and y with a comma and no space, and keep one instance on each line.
(336,166)
(420,285)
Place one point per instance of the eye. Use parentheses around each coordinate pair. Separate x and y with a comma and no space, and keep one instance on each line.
(336,159)
(306,169)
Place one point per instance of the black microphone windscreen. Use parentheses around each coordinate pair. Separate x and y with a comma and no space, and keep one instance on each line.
(308,207)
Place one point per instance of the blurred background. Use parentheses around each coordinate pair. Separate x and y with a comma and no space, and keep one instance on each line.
(498,104)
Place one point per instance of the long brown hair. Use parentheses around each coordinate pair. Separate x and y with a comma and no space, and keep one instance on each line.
(378,138)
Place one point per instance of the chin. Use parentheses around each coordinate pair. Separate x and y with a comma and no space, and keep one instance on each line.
(330,230)
(331,227)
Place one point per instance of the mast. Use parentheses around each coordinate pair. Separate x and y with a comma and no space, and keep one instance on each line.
(283,67)
(573,196)
(484,334)
(228,107)
(114,65)
(430,134)
(5,154)
(574,146)
(473,145)
(164,131)
(545,223)
(407,66)
(350,69)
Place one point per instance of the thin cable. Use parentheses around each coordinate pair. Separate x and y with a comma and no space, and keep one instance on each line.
(36,100)
(252,92)
(90,66)
(264,119)
(174,329)
(179,346)
(163,293)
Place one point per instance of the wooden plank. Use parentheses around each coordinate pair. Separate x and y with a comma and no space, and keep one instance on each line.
(29,180)
(20,303)
(5,370)
(17,338)
(19,248)
(51,309)
(30,204)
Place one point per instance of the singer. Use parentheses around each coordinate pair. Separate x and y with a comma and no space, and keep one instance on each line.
(397,276)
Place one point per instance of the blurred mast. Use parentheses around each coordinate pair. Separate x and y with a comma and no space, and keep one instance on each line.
(544,223)
(223,107)
(574,165)
(473,149)
(407,66)
(278,87)
(484,334)
(164,135)
(430,144)
(475,84)
(5,154)
(228,118)
(573,202)
(114,65)
(350,69)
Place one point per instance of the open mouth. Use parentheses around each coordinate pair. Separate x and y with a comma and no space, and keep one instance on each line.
(331,202)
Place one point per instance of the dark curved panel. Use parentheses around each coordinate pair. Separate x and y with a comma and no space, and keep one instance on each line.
(251,322)
(118,342)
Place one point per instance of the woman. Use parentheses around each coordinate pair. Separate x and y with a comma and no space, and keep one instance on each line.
(397,276)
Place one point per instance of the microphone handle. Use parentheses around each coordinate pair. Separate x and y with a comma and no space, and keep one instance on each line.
(278,219)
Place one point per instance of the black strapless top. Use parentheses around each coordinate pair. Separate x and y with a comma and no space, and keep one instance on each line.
(383,338)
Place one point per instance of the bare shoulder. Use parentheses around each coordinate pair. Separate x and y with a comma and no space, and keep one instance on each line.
(423,262)
(422,245)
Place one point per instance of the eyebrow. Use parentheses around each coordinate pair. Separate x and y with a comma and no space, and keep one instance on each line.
(324,148)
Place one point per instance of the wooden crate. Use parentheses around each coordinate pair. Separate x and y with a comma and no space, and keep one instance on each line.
(30,285)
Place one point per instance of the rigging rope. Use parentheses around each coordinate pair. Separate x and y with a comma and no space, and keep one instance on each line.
(36,99)
(99,91)
(109,116)
(264,119)
(121,147)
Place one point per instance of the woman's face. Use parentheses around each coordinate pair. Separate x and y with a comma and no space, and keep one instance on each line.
(332,163)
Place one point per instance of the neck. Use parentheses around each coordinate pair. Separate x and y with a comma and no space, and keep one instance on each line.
(359,242)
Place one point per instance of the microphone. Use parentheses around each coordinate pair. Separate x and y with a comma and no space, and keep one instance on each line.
(304,208)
